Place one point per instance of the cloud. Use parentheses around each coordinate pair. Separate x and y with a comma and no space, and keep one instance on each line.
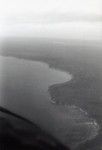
(52,18)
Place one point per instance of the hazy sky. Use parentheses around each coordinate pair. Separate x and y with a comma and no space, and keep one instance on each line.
(51,18)
(44,7)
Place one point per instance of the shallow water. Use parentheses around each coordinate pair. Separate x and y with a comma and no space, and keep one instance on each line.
(24,90)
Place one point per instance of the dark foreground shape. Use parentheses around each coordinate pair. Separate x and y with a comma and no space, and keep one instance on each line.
(17,133)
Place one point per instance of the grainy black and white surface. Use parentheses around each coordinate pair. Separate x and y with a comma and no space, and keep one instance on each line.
(51,74)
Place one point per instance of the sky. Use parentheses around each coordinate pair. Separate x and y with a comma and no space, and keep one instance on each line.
(70,19)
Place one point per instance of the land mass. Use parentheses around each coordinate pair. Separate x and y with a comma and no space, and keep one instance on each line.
(19,133)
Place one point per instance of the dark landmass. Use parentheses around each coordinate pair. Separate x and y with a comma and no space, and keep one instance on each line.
(18,133)
(13,114)
(82,60)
